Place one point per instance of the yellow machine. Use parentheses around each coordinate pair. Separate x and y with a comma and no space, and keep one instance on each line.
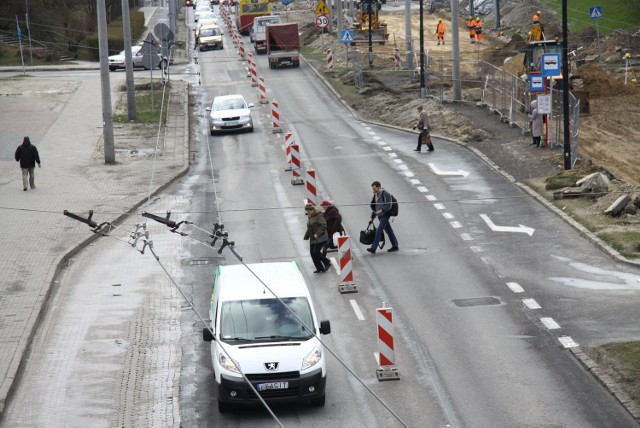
(379,32)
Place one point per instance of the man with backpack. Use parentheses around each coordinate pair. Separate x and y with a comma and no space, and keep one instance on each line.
(384,206)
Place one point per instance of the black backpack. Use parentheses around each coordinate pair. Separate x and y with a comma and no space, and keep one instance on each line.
(393,212)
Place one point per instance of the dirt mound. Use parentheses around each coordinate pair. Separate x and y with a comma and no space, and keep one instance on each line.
(600,84)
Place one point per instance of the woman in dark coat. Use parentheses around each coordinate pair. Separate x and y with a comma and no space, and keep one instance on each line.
(317,236)
(334,222)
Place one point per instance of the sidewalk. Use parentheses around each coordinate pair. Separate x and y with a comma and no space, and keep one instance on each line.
(37,239)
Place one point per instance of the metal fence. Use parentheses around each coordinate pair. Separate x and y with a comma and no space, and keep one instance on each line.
(502,93)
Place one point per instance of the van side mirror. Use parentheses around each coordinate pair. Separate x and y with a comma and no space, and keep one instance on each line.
(325,327)
(207,335)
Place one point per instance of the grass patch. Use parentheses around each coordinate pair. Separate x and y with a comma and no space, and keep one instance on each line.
(626,243)
(146,112)
(621,361)
(616,14)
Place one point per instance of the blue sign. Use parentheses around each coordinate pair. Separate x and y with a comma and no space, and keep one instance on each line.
(595,12)
(346,36)
(551,64)
(536,82)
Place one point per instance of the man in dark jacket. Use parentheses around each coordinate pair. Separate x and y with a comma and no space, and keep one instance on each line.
(380,207)
(27,155)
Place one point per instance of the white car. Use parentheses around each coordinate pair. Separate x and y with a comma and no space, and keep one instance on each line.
(118,61)
(229,113)
(201,8)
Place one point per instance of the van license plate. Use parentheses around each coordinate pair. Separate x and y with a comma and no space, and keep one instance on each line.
(272,385)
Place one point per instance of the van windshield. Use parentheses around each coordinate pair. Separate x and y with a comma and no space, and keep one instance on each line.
(265,320)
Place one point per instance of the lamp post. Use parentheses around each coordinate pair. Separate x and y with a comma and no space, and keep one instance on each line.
(422,90)
(565,91)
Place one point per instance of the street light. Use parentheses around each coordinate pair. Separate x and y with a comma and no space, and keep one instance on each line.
(422,90)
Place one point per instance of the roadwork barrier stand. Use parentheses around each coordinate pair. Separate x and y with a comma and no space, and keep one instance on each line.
(275,115)
(295,165)
(312,187)
(396,59)
(347,284)
(330,59)
(387,369)
(263,91)
(288,141)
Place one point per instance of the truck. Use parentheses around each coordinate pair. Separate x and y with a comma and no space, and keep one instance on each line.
(258,33)
(264,336)
(368,14)
(283,45)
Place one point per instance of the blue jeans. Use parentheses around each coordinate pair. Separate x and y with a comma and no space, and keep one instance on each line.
(385,226)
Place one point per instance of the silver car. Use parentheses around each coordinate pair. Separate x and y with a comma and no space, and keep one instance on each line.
(228,113)
(118,61)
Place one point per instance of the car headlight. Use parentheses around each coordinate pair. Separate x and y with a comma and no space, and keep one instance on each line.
(245,117)
(312,358)
(228,363)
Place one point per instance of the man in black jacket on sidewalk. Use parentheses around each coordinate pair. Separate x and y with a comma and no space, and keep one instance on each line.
(27,155)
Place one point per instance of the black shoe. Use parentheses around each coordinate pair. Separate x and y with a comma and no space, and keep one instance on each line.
(371,251)
(430,150)
(326,268)
(416,150)
(318,271)
(25,189)
(392,249)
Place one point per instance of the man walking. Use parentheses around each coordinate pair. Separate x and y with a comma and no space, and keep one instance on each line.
(27,155)
(380,207)
(425,128)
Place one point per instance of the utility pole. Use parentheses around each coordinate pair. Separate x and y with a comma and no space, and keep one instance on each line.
(371,4)
(422,89)
(497,7)
(455,52)
(107,120)
(128,62)
(26,8)
(407,34)
(565,90)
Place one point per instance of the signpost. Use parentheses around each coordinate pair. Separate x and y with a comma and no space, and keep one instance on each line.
(346,37)
(595,12)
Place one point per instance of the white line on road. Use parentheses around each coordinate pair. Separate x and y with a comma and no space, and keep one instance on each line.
(356,309)
(515,287)
(448,216)
(531,303)
(439,206)
(431,198)
(456,224)
(422,189)
(466,237)
(457,172)
(520,229)
(568,342)
(550,323)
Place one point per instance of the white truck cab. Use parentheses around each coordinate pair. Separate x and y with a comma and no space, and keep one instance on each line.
(258,35)
(255,333)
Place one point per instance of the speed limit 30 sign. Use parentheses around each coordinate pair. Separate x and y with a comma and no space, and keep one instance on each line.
(322,21)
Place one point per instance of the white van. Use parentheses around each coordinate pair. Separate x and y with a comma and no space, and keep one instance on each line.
(255,333)
(258,35)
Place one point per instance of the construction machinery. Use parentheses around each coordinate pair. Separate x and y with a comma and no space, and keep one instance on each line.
(368,15)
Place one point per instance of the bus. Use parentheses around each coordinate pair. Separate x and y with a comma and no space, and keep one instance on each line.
(247,10)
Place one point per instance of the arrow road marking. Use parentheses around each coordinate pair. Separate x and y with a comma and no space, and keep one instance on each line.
(520,229)
(456,172)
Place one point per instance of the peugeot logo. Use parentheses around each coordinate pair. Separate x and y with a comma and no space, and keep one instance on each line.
(271,366)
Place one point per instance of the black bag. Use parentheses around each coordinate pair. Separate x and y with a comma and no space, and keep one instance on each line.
(367,236)
(420,126)
(393,212)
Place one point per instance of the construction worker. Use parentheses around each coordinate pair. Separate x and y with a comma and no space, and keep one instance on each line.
(478,30)
(536,18)
(440,31)
(471,25)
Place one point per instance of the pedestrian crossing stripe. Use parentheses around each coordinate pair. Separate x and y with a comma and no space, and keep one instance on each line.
(595,12)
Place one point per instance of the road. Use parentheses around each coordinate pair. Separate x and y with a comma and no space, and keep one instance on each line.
(470,287)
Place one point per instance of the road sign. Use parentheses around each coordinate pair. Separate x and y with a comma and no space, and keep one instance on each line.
(163,32)
(346,36)
(595,12)
(322,21)
(322,8)
(551,64)
(536,82)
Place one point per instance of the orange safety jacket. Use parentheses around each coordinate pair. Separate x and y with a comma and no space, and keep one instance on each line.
(478,27)
(440,29)
(471,25)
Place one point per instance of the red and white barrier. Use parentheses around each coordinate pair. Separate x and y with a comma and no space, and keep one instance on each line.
(253,71)
(288,141)
(330,59)
(275,116)
(396,58)
(386,359)
(241,51)
(295,165)
(346,285)
(312,187)
(249,62)
(263,90)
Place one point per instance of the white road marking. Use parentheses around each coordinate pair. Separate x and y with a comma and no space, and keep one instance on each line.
(531,303)
(393,155)
(550,323)
(448,216)
(403,167)
(414,181)
(408,174)
(387,148)
(568,342)
(515,287)
(466,237)
(476,249)
(356,309)
(457,172)
(431,198)
(422,189)
(456,224)
(520,229)
(398,161)
(439,206)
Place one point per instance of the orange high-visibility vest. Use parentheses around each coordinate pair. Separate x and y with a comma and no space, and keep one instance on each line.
(471,25)
(440,29)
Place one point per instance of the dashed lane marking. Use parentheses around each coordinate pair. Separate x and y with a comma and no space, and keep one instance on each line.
(422,189)
(568,342)
(439,206)
(550,323)
(531,303)
(515,287)
(455,224)
(356,309)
